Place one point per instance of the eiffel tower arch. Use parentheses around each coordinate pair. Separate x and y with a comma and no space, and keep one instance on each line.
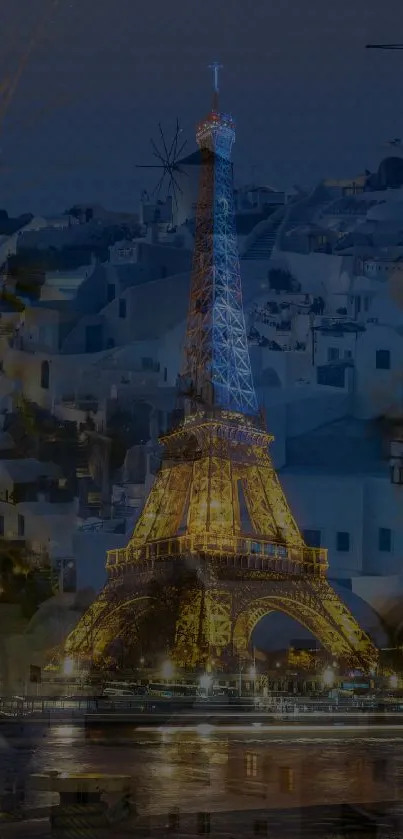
(216,546)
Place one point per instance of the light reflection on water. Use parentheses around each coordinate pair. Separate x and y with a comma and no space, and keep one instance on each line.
(209,770)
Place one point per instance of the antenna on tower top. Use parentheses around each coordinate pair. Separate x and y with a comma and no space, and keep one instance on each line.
(215,67)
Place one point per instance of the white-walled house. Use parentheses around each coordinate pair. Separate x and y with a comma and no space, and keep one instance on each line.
(379,371)
(337,481)
(30,508)
(48,527)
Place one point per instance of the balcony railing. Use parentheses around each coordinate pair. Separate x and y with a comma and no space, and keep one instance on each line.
(233,552)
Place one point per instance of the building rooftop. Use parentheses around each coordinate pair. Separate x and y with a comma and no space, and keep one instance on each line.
(73,277)
(28,470)
(47,508)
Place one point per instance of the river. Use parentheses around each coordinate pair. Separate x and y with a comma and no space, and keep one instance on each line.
(208,770)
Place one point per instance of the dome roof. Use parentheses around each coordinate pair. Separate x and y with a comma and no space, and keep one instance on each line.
(390,173)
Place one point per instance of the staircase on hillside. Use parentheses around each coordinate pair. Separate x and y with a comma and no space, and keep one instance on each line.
(82,464)
(263,245)
(302,212)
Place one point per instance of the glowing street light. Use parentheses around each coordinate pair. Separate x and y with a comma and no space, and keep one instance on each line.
(393,681)
(205,682)
(167,669)
(68,666)
(328,677)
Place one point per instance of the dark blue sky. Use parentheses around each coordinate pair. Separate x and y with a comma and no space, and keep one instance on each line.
(308,99)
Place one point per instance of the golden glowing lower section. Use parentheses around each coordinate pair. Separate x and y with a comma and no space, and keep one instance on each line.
(316,606)
(203,500)
(162,512)
(222,511)
(221,619)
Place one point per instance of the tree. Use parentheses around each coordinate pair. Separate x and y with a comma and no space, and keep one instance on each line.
(281,279)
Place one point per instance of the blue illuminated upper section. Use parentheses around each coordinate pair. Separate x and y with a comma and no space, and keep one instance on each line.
(217,363)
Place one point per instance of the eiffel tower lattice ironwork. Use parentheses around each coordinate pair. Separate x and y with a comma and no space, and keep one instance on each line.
(216,547)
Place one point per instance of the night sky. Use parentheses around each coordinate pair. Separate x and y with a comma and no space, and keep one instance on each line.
(308,99)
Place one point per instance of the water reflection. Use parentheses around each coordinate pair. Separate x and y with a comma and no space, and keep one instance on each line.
(235,768)
(206,771)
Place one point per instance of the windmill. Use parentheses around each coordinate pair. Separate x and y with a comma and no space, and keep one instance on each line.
(167,157)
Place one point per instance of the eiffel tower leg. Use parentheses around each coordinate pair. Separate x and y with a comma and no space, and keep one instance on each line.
(188,645)
(114,614)
(241,633)
(218,621)
(316,606)
(204,627)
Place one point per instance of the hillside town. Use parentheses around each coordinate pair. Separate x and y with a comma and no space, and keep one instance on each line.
(92,317)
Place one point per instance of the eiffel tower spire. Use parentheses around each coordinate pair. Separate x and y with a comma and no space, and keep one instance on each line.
(217,366)
(215,66)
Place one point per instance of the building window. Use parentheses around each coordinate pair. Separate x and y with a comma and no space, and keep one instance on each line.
(348,354)
(45,375)
(203,823)
(165,374)
(333,354)
(21,525)
(94,338)
(342,541)
(1,525)
(251,765)
(383,360)
(380,769)
(147,364)
(286,779)
(312,538)
(396,474)
(122,308)
(111,292)
(385,539)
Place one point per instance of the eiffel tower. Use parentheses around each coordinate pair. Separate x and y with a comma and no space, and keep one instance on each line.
(216,547)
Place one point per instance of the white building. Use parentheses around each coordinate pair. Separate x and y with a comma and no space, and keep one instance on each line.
(30,512)
(337,480)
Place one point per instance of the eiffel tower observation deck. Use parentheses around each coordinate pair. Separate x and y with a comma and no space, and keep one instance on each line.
(216,546)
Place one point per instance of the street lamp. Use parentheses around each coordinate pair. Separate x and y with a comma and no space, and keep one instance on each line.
(252,674)
(167,669)
(328,677)
(68,666)
(393,681)
(205,682)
